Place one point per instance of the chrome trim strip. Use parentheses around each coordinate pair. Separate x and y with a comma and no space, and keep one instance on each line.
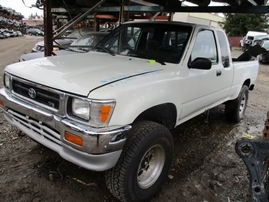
(98,131)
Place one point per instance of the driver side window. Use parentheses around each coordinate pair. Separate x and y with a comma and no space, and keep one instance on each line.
(205,46)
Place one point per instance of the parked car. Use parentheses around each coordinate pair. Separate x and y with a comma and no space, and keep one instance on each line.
(11,33)
(81,45)
(19,33)
(35,31)
(64,42)
(6,34)
(264,57)
(58,44)
(2,36)
(250,37)
(258,39)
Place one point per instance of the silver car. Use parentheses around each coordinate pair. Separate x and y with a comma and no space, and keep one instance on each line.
(81,45)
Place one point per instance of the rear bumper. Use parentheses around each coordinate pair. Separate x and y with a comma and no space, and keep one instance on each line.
(101,147)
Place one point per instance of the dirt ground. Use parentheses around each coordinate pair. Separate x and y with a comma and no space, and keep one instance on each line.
(205,166)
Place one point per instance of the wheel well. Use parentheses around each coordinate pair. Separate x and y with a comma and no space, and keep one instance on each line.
(164,114)
(247,83)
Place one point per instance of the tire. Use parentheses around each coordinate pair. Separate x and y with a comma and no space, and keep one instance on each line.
(137,176)
(235,109)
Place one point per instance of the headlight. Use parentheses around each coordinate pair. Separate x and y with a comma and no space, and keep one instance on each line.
(7,81)
(97,112)
(81,108)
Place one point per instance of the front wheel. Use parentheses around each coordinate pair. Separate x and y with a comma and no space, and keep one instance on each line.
(144,163)
(235,109)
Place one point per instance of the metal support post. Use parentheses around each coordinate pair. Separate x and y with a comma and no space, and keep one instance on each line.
(48,28)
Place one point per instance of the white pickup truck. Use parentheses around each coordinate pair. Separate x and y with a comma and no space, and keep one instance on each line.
(111,109)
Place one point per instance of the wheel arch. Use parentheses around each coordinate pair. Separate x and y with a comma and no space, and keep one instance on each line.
(248,84)
(164,114)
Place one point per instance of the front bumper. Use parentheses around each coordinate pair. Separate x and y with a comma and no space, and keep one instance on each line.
(101,147)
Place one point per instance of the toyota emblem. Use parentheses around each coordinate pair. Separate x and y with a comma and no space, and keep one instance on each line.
(32,93)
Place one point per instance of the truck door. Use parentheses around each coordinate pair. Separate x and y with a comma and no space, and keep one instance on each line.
(207,87)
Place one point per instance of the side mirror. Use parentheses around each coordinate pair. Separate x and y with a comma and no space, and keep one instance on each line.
(200,63)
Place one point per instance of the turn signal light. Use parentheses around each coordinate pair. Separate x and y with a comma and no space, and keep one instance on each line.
(104,111)
(73,138)
(2,102)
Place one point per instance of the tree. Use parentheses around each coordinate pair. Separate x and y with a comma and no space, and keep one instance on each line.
(238,24)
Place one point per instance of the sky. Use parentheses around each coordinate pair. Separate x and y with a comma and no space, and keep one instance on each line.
(19,6)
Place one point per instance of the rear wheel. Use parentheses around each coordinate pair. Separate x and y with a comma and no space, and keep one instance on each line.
(144,163)
(235,109)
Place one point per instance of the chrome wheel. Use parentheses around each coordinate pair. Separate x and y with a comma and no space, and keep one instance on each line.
(151,166)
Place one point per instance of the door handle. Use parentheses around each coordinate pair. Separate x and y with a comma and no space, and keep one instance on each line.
(218,73)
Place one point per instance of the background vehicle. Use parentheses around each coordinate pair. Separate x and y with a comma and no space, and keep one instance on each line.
(65,42)
(35,31)
(111,109)
(250,37)
(58,44)
(258,40)
(81,45)
(264,57)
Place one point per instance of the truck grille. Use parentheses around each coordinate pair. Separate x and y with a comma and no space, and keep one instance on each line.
(39,128)
(45,97)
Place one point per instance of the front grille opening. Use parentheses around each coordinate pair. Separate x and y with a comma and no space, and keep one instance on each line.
(39,128)
(42,96)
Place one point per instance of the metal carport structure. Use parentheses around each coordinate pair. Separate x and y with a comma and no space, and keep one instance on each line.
(121,9)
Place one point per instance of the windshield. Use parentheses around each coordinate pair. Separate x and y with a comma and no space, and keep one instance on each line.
(85,44)
(265,45)
(78,33)
(162,42)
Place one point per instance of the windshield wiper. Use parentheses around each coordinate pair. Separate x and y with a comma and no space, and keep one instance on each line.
(70,49)
(105,49)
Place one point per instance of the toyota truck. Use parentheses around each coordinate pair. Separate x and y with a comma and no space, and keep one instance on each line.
(112,109)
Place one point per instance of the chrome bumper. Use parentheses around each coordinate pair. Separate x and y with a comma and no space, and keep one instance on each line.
(101,147)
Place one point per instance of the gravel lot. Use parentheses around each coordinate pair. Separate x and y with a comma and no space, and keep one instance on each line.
(205,165)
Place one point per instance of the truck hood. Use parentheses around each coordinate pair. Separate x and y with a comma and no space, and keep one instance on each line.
(83,72)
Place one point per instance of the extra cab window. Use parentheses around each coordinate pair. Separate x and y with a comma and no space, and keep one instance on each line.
(224,49)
